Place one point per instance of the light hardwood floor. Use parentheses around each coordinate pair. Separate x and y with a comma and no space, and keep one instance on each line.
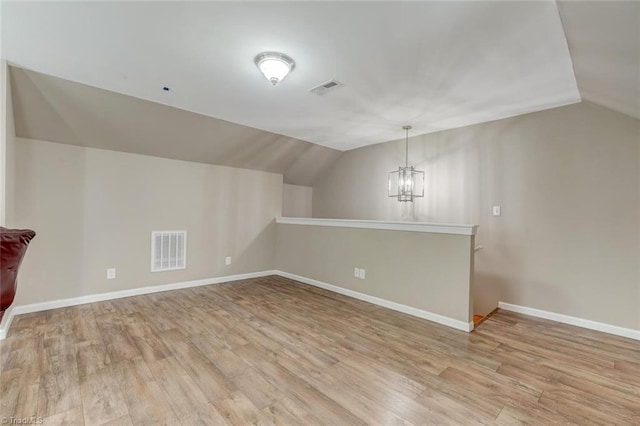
(271,350)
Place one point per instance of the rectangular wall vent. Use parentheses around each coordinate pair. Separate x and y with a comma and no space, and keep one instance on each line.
(325,87)
(168,250)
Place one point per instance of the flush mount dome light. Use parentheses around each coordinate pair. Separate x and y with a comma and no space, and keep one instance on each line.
(275,66)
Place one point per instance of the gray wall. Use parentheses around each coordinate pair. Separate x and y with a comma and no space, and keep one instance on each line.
(422,270)
(297,201)
(568,181)
(94,209)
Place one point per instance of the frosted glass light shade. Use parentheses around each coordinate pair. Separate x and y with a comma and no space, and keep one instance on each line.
(274,66)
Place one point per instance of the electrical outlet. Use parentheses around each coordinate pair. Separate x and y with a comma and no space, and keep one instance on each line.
(111,273)
(362,272)
(227,260)
(356,272)
(497,210)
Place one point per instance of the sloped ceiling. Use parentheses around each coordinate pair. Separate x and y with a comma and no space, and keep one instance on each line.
(432,64)
(604,41)
(57,110)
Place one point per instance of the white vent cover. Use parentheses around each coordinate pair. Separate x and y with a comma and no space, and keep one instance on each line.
(168,250)
(325,87)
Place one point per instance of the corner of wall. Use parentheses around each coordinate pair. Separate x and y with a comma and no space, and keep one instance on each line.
(4,86)
(7,147)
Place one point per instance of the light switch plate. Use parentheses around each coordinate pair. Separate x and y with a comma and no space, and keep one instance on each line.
(497,210)
(111,273)
(227,260)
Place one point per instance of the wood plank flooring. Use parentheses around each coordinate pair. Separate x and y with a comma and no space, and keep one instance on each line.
(274,351)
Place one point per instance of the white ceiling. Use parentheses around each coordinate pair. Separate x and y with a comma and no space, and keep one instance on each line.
(435,65)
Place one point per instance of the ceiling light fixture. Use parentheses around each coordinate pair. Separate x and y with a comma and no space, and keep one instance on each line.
(407,182)
(275,66)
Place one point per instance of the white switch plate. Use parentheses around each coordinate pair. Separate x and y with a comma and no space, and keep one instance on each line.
(362,272)
(356,272)
(497,210)
(111,273)
(227,260)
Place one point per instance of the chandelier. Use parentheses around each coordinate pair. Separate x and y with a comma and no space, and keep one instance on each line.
(406,183)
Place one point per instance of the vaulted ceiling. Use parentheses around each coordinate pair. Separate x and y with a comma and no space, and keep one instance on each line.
(604,41)
(58,110)
(435,65)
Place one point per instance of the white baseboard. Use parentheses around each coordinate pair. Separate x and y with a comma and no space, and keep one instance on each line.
(63,303)
(440,319)
(6,322)
(566,319)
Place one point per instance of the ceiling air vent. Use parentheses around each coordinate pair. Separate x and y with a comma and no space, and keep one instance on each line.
(325,87)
